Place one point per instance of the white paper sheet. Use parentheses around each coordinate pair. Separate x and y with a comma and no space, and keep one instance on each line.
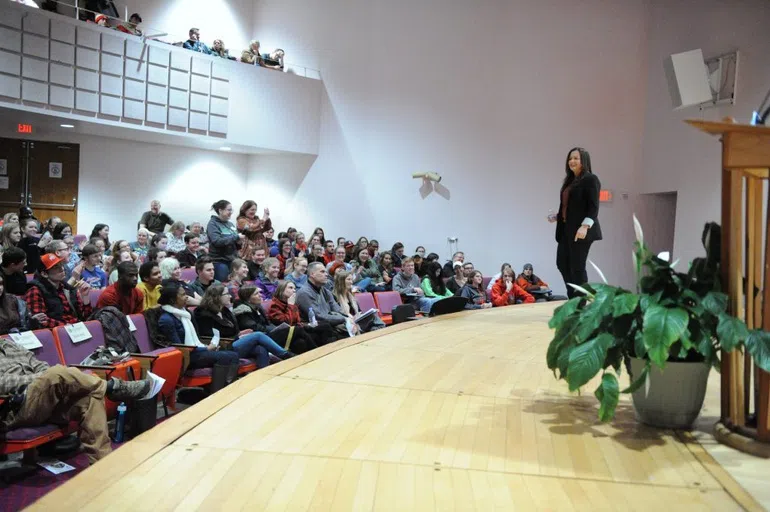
(26,339)
(155,386)
(54,466)
(131,326)
(215,338)
(78,332)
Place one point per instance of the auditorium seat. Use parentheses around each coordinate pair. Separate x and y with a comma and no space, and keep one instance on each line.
(486,281)
(49,352)
(30,277)
(386,301)
(365,301)
(165,362)
(79,239)
(73,353)
(95,294)
(189,275)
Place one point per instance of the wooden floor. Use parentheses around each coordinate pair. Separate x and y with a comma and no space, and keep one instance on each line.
(457,413)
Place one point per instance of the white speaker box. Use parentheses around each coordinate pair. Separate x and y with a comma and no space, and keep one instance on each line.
(688,80)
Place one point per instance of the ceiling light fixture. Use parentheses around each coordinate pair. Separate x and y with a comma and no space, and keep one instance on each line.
(67,125)
(225,148)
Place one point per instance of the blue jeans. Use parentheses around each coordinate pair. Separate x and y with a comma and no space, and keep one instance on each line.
(263,340)
(424,303)
(249,348)
(221,271)
(204,358)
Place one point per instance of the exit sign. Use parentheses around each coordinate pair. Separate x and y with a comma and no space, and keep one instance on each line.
(605,196)
(25,128)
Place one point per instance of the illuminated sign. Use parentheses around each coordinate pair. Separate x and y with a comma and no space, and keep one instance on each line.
(24,128)
(605,196)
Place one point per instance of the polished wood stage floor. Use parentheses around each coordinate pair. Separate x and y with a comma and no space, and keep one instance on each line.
(458,412)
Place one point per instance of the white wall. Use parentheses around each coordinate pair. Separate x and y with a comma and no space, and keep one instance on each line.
(677,157)
(489,94)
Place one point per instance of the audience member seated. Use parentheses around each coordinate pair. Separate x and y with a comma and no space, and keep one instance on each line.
(219,50)
(142,244)
(102,20)
(176,328)
(298,275)
(349,250)
(10,218)
(89,271)
(321,235)
(328,252)
(449,265)
(59,303)
(536,286)
(224,238)
(215,313)
(130,27)
(269,241)
(14,261)
(420,251)
(386,270)
(74,251)
(343,294)
(194,42)
(339,260)
(432,283)
(496,277)
(124,294)
(159,241)
(474,292)
(190,254)
(316,296)
(248,310)
(204,267)
(155,221)
(50,225)
(418,268)
(506,292)
(251,54)
(239,271)
(38,394)
(196,228)
(14,316)
(101,232)
(268,283)
(366,275)
(274,59)
(363,243)
(374,249)
(61,230)
(397,253)
(407,283)
(317,255)
(255,264)
(299,245)
(32,244)
(284,310)
(149,273)
(10,236)
(253,228)
(61,249)
(123,256)
(285,256)
(175,238)
(170,272)
(112,261)
(156,255)
(458,280)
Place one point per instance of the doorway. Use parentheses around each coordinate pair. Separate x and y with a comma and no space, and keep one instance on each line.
(41,175)
(657,214)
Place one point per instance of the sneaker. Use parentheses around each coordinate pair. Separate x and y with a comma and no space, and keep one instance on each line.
(288,355)
(123,390)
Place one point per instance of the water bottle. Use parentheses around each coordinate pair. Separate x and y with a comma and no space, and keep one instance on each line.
(311,317)
(120,423)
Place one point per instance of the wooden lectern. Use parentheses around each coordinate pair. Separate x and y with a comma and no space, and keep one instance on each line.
(745,393)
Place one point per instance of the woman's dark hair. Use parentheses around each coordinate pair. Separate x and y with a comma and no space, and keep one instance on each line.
(281,243)
(245,293)
(220,205)
(396,246)
(152,253)
(502,267)
(585,161)
(418,249)
(245,207)
(362,238)
(95,234)
(382,258)
(290,231)
(57,231)
(433,272)
(359,251)
(157,238)
(432,257)
(168,293)
(212,299)
(319,231)
(472,276)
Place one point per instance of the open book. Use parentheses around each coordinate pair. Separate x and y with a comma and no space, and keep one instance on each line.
(365,314)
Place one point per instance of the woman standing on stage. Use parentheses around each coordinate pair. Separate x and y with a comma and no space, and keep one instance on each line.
(577,222)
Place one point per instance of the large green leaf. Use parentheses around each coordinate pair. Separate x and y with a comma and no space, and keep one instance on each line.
(593,316)
(608,394)
(586,360)
(758,345)
(715,303)
(560,342)
(639,349)
(646,301)
(662,327)
(563,312)
(731,332)
(624,304)
(639,380)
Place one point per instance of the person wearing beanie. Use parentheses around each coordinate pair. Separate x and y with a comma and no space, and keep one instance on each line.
(534,285)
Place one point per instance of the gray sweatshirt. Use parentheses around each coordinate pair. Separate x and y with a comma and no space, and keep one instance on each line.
(322,301)
(404,285)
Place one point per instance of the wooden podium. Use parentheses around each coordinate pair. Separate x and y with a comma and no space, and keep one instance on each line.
(745,393)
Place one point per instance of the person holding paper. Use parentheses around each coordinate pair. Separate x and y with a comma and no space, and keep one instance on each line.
(124,294)
(52,301)
(215,313)
(41,394)
(362,321)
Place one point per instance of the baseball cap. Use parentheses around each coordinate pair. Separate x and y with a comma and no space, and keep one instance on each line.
(50,260)
(457,264)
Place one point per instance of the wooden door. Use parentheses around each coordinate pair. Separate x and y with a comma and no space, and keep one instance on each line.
(53,181)
(12,174)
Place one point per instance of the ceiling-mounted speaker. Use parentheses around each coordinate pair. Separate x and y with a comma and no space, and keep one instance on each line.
(688,80)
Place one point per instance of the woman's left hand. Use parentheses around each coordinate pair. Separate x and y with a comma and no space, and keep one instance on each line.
(581,232)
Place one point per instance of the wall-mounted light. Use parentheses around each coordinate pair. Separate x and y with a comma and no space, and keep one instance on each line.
(430,176)
(67,125)
(225,148)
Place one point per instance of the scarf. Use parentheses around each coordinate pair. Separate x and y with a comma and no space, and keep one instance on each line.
(190,336)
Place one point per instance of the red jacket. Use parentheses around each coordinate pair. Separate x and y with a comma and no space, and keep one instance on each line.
(501,297)
(535,283)
(281,312)
(132,304)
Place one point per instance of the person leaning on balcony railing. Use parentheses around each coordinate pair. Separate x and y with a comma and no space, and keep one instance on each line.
(251,54)
(219,50)
(195,44)
(130,27)
(273,60)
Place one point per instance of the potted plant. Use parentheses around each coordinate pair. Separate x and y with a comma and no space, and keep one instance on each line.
(667,335)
